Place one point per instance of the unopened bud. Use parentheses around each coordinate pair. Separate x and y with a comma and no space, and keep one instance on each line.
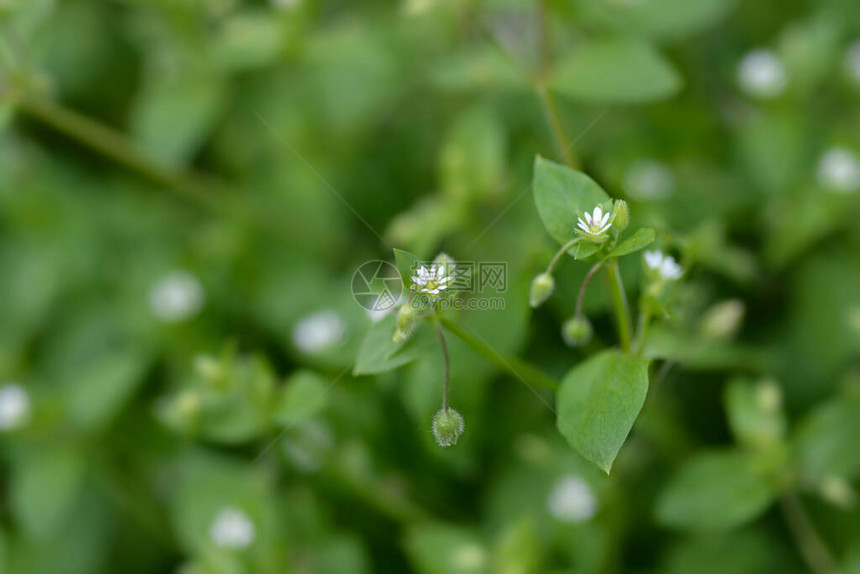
(620,214)
(838,491)
(448,426)
(723,320)
(769,396)
(208,367)
(542,287)
(407,319)
(576,331)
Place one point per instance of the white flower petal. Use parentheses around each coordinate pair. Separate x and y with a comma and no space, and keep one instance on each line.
(582,225)
(598,214)
(588,219)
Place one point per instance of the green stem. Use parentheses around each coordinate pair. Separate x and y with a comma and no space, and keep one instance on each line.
(562,143)
(580,299)
(643,323)
(619,301)
(561,252)
(812,548)
(518,367)
(442,342)
(116,146)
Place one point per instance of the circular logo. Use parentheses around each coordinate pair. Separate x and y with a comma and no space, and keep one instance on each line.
(377,286)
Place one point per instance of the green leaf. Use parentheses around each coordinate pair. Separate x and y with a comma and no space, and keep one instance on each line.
(97,393)
(562,195)
(44,488)
(826,440)
(714,490)
(615,72)
(657,18)
(639,240)
(301,399)
(598,402)
(406,264)
(379,352)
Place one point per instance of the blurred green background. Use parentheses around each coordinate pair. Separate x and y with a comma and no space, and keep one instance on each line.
(187,187)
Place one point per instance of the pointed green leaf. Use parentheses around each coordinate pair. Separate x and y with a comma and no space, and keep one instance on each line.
(598,402)
(616,71)
(561,196)
(639,240)
(406,264)
(379,352)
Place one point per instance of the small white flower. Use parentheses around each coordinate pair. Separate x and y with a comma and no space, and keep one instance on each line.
(664,265)
(596,224)
(232,529)
(762,75)
(852,62)
(839,170)
(431,281)
(318,331)
(649,180)
(14,406)
(176,297)
(571,500)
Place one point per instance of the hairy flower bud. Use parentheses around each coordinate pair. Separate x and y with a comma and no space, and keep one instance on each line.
(407,319)
(448,426)
(576,331)
(542,287)
(620,214)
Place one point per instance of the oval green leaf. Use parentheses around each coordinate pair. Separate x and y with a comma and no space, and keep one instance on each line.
(616,72)
(714,490)
(598,402)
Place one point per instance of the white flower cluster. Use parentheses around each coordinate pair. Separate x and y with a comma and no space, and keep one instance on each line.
(762,75)
(595,224)
(14,406)
(664,265)
(432,281)
(232,529)
(318,331)
(176,297)
(571,500)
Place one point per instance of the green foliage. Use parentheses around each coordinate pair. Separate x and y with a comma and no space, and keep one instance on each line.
(598,401)
(615,71)
(714,490)
(188,187)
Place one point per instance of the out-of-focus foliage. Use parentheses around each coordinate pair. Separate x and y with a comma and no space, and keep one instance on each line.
(188,186)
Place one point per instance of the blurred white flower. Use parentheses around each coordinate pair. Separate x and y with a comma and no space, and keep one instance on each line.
(664,265)
(762,75)
(232,529)
(596,224)
(432,281)
(318,331)
(723,320)
(852,62)
(176,297)
(648,179)
(14,406)
(571,500)
(839,170)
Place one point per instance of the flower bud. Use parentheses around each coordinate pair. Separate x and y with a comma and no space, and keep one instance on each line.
(576,331)
(838,491)
(542,287)
(407,318)
(448,426)
(723,320)
(620,214)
